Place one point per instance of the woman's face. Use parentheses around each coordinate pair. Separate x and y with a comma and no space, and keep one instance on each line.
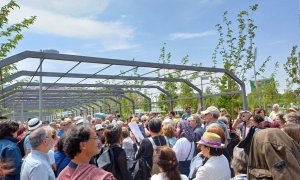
(252,122)
(205,150)
(15,134)
(262,114)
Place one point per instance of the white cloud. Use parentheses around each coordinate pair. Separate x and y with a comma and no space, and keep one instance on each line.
(188,35)
(276,42)
(124,16)
(69,7)
(75,19)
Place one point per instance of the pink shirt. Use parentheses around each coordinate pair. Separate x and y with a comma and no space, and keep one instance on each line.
(85,171)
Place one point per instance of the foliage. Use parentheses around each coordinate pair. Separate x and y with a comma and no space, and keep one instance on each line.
(292,67)
(11,33)
(171,87)
(10,36)
(236,50)
(264,96)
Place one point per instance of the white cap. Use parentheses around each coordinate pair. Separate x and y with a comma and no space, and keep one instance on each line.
(82,121)
(211,109)
(98,127)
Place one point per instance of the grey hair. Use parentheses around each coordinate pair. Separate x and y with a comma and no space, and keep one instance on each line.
(223,119)
(37,136)
(239,161)
(197,118)
(293,117)
(215,114)
(145,117)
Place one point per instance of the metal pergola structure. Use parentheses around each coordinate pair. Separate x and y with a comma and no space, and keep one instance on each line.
(55,94)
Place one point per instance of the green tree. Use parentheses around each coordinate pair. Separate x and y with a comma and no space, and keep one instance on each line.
(171,87)
(292,67)
(235,47)
(10,35)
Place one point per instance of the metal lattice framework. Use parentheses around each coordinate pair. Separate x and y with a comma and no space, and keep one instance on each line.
(53,95)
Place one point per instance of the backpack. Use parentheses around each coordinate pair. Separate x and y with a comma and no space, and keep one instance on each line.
(20,144)
(155,157)
(106,161)
(141,170)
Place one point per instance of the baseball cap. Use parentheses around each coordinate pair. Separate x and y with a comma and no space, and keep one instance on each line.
(82,121)
(98,127)
(211,109)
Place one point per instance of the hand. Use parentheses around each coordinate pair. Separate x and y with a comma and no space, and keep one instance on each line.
(3,170)
(132,137)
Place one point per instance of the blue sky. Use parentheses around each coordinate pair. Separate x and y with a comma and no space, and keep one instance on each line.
(137,29)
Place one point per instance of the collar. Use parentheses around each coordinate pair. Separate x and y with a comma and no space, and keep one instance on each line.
(40,154)
(72,165)
(10,138)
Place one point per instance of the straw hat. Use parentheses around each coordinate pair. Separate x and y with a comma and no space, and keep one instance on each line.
(211,140)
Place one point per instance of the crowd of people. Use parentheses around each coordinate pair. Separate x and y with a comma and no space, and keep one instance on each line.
(205,145)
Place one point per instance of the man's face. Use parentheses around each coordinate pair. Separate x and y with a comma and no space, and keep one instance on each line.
(192,122)
(49,140)
(188,110)
(89,118)
(208,117)
(92,146)
(276,108)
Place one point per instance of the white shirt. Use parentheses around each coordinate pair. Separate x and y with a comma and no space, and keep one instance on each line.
(51,156)
(216,168)
(268,119)
(182,148)
(162,176)
(272,115)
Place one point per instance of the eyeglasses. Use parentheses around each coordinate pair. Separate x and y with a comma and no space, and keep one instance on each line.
(95,138)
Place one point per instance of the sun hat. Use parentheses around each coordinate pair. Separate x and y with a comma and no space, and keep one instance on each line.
(34,123)
(292,109)
(211,140)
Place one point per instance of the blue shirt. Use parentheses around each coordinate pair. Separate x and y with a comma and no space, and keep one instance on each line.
(60,133)
(10,152)
(27,145)
(185,116)
(36,166)
(61,161)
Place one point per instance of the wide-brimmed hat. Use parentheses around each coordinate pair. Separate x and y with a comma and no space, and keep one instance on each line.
(211,140)
(292,109)
(34,123)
